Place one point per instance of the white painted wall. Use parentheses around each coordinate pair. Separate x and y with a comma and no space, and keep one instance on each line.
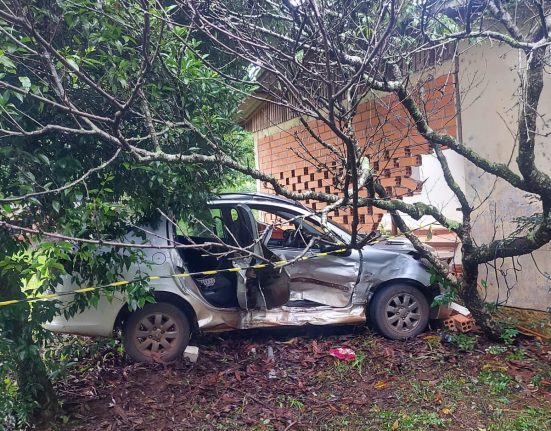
(489,79)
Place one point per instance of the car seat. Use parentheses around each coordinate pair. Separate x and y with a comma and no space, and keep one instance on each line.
(219,289)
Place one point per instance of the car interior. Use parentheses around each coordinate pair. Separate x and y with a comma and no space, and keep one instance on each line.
(230,225)
(218,290)
(225,226)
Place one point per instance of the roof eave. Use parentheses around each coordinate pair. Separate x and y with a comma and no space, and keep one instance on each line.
(247,108)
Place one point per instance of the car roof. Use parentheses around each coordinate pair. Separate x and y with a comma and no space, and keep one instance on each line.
(256,197)
(267,199)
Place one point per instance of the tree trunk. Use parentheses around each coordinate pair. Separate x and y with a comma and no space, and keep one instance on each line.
(470,295)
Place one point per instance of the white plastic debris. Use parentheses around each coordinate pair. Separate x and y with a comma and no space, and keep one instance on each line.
(460,309)
(270,352)
(192,353)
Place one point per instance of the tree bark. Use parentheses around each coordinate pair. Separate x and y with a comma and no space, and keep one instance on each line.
(468,292)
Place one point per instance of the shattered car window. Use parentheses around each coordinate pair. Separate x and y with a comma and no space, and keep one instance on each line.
(291,230)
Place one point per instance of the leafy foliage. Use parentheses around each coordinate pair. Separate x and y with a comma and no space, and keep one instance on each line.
(101,193)
(464,342)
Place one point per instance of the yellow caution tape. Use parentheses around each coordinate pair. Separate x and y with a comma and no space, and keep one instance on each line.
(50,296)
(89,289)
(11,301)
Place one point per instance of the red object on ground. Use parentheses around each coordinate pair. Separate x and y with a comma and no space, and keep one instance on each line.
(343,353)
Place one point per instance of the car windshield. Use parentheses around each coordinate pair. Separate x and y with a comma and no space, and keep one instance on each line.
(339,226)
(290,220)
(331,222)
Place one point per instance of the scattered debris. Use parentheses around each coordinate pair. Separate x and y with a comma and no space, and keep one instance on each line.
(343,353)
(381,384)
(456,318)
(191,353)
(454,306)
(531,333)
(270,353)
(305,385)
(446,338)
(522,319)
(459,323)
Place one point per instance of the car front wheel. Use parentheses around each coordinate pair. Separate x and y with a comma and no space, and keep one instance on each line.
(399,311)
(157,333)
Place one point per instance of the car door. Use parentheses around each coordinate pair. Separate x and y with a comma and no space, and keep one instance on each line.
(329,279)
(259,285)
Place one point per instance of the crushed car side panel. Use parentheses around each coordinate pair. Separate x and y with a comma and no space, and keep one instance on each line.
(328,280)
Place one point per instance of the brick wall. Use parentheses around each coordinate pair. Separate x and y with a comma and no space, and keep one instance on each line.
(393,145)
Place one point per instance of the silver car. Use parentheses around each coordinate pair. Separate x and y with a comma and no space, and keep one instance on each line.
(322,285)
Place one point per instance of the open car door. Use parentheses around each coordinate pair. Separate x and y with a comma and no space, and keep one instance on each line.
(329,279)
(257,288)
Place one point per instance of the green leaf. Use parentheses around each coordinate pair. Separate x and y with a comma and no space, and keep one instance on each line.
(43,158)
(72,63)
(19,96)
(56,206)
(6,62)
(25,82)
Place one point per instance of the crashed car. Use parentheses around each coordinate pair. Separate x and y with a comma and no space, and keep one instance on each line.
(324,283)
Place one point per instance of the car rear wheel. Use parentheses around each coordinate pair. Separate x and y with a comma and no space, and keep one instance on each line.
(399,311)
(157,333)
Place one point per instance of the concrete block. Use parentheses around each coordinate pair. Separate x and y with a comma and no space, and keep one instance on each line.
(192,353)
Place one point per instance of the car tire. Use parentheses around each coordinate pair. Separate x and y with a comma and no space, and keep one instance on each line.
(399,311)
(157,333)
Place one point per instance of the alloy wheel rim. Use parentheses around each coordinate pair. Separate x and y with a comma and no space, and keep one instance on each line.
(157,333)
(402,312)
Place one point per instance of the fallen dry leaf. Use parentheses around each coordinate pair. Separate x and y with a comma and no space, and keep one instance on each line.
(380,384)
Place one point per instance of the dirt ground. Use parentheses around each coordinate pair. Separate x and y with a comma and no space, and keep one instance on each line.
(421,384)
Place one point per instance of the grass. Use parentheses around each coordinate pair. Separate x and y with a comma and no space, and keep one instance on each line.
(343,368)
(498,382)
(529,419)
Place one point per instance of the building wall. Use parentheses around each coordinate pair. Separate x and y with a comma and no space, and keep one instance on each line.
(396,150)
(489,83)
